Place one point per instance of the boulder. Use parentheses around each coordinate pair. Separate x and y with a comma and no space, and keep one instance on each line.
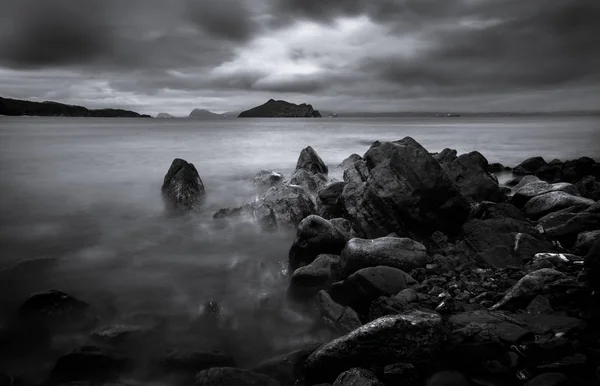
(400,374)
(529,166)
(406,189)
(447,378)
(265,179)
(488,326)
(581,222)
(367,284)
(574,170)
(317,236)
(549,379)
(327,200)
(357,377)
(343,319)
(521,181)
(401,253)
(445,156)
(222,376)
(56,310)
(497,168)
(308,280)
(357,172)
(286,368)
(410,337)
(182,187)
(312,183)
(534,189)
(196,361)
(469,173)
(552,202)
(310,161)
(589,187)
(90,363)
(350,160)
(257,211)
(586,240)
(290,204)
(384,306)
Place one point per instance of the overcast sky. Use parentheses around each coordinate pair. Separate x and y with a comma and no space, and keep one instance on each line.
(379,55)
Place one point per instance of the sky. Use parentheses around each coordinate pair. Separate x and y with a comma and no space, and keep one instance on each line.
(173,56)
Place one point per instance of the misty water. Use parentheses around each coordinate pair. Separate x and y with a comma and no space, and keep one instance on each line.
(82,212)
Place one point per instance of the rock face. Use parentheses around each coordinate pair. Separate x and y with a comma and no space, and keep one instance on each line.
(469,173)
(406,188)
(529,166)
(281,109)
(445,156)
(327,200)
(182,187)
(312,183)
(401,253)
(409,337)
(235,377)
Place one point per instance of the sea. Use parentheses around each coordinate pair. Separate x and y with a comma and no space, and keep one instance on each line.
(81,212)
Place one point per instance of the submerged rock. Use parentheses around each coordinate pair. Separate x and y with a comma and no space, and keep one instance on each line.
(56,310)
(182,187)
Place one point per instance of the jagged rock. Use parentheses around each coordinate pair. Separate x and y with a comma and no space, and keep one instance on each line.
(311,182)
(410,337)
(327,200)
(551,202)
(469,173)
(265,179)
(182,187)
(310,161)
(406,188)
(56,310)
(290,204)
(445,156)
(401,253)
(343,319)
(357,172)
(229,376)
(529,166)
(532,284)
(586,240)
(534,189)
(350,160)
(589,187)
(196,361)
(317,236)
(367,284)
(357,377)
(286,368)
(90,363)
(308,280)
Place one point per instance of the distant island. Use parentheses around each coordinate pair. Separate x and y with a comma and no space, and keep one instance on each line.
(164,115)
(16,107)
(204,114)
(281,109)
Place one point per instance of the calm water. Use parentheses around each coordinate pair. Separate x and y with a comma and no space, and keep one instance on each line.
(83,195)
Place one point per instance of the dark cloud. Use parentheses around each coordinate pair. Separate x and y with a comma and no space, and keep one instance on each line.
(228,19)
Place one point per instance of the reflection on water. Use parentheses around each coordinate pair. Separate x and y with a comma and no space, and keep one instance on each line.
(82,212)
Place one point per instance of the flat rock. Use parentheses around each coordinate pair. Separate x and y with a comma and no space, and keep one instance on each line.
(534,189)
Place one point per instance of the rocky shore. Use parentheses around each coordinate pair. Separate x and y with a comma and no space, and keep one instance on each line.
(425,268)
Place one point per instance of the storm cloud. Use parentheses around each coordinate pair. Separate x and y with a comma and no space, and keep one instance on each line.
(388,55)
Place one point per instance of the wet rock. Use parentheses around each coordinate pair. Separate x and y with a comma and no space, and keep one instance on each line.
(384,306)
(317,236)
(308,280)
(406,188)
(560,216)
(357,377)
(469,173)
(195,361)
(343,319)
(229,376)
(529,166)
(549,379)
(56,310)
(586,240)
(287,368)
(410,337)
(541,324)
(589,187)
(182,187)
(551,202)
(367,284)
(290,204)
(90,363)
(257,212)
(401,253)
(521,181)
(445,156)
(534,189)
(488,326)
(310,161)
(535,283)
(399,374)
(540,305)
(312,183)
(327,200)
(350,160)
(579,223)
(266,179)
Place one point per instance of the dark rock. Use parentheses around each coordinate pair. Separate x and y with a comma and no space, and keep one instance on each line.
(407,188)
(589,187)
(488,326)
(521,181)
(119,333)
(317,236)
(357,377)
(549,379)
(574,170)
(367,284)
(551,172)
(56,310)
(257,211)
(551,202)
(581,222)
(287,368)
(384,306)
(350,160)
(491,210)
(541,324)
(327,200)
(290,204)
(281,109)
(529,166)
(182,187)
(469,173)
(90,364)
(410,337)
(17,107)
(586,240)
(540,305)
(312,183)
(310,161)
(399,374)
(445,156)
(343,319)
(265,179)
(534,189)
(195,361)
(560,216)
(357,172)
(308,280)
(447,378)
(229,376)
(592,265)
(401,253)
(497,168)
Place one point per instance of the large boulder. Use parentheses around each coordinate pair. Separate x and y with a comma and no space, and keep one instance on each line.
(290,204)
(317,236)
(445,156)
(265,179)
(589,187)
(534,189)
(341,318)
(409,337)
(580,222)
(311,182)
(406,188)
(308,280)
(350,160)
(356,172)
(221,376)
(310,161)
(585,241)
(396,252)
(182,187)
(469,173)
(552,202)
(529,166)
(574,170)
(327,200)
